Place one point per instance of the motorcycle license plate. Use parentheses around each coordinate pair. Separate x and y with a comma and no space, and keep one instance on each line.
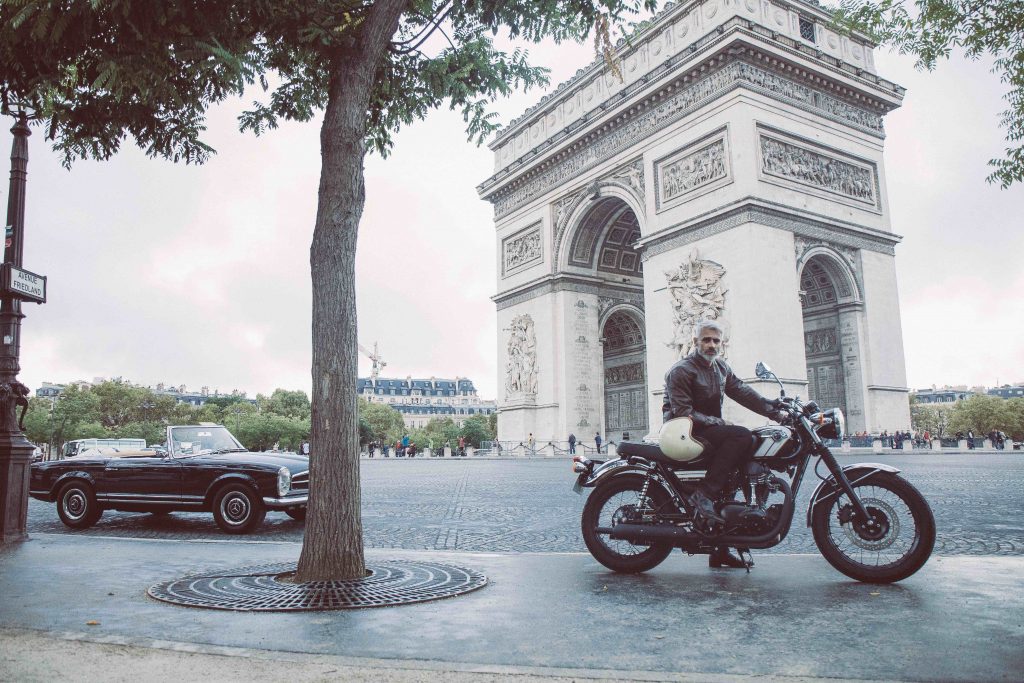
(577,488)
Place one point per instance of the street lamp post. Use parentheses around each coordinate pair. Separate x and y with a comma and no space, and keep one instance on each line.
(15,450)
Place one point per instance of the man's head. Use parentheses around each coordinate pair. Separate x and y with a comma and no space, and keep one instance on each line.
(707,338)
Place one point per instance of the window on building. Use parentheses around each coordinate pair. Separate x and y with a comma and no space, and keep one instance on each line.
(807,29)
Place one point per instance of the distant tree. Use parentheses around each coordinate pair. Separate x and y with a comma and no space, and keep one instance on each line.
(476,430)
(932,28)
(927,417)
(38,420)
(120,402)
(96,72)
(288,404)
(383,420)
(982,414)
(72,410)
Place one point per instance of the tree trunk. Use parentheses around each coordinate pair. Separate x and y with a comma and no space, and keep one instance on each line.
(333,545)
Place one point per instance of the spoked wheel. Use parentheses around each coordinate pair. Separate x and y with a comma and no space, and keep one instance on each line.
(617,501)
(893,543)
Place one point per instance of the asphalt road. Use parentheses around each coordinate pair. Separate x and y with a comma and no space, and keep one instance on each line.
(521,506)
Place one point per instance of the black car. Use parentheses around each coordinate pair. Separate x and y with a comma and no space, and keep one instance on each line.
(204,469)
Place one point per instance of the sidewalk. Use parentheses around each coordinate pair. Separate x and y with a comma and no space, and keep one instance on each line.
(541,617)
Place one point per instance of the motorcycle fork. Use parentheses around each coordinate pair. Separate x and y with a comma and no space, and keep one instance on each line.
(844,484)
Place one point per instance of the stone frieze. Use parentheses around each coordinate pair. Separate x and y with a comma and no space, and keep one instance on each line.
(667,110)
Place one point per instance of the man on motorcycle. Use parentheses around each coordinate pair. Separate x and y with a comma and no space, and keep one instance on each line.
(696,387)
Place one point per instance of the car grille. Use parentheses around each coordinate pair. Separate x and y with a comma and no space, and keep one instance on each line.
(300,481)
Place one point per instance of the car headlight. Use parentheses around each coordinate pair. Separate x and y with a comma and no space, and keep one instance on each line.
(284,481)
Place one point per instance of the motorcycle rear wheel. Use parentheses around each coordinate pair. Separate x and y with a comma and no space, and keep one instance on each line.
(617,496)
(894,544)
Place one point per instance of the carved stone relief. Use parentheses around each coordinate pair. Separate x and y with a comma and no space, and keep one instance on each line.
(521,368)
(818,342)
(624,374)
(807,167)
(521,250)
(697,294)
(694,170)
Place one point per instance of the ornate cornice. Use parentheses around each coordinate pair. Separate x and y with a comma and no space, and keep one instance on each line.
(725,72)
(750,211)
(568,283)
(664,22)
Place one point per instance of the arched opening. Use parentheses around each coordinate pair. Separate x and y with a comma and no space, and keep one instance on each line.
(824,289)
(625,376)
(607,379)
(603,243)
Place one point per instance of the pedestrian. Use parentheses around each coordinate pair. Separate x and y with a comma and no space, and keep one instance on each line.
(597,441)
(970,439)
(462,446)
(531,444)
(572,444)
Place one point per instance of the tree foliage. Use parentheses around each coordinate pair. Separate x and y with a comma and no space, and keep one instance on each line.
(932,29)
(986,413)
(97,72)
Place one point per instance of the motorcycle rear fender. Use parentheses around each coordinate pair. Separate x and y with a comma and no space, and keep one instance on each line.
(606,470)
(854,473)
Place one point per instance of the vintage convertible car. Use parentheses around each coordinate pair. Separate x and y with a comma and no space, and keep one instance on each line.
(205,468)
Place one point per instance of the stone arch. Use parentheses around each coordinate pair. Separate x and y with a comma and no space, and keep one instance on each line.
(581,208)
(839,270)
(624,353)
(831,303)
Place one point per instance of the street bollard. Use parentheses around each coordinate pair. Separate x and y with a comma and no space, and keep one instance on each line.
(876,446)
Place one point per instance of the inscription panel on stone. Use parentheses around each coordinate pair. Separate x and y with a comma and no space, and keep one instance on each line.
(583,351)
(797,163)
(521,250)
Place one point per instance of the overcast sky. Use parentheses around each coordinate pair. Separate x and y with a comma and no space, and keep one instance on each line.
(199,275)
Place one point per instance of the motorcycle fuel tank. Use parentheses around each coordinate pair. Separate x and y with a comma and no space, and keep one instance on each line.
(774,441)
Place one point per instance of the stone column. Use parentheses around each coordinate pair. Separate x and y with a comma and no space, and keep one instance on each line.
(851,351)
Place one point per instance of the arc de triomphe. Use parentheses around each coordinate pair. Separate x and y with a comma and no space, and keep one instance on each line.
(734,172)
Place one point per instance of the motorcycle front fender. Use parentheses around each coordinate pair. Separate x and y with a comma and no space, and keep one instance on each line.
(854,473)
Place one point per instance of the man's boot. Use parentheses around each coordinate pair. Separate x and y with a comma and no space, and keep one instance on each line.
(704,506)
(721,557)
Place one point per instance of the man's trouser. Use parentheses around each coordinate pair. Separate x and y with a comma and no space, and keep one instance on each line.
(730,446)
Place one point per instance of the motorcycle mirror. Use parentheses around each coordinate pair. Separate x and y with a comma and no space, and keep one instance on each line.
(762,370)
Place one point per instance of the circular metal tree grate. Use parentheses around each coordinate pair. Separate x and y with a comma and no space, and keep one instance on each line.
(261,588)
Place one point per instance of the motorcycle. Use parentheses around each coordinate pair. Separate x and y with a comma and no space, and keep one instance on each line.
(867,521)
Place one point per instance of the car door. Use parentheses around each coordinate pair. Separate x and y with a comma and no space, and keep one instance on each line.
(143,480)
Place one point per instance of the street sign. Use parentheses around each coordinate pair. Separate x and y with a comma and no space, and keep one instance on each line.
(22,284)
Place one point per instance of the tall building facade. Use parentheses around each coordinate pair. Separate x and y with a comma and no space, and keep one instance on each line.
(422,400)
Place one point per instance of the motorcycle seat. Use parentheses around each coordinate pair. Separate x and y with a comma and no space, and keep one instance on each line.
(653,452)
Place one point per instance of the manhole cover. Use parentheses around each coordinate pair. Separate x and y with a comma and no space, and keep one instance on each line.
(257,589)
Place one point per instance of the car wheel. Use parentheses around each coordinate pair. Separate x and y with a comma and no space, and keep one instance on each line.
(237,509)
(296,513)
(76,505)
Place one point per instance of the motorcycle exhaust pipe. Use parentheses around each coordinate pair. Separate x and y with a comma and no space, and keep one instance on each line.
(677,536)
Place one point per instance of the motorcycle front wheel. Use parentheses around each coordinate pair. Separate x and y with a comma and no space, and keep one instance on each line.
(893,543)
(615,501)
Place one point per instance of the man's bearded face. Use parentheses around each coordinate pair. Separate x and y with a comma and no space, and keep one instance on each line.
(709,343)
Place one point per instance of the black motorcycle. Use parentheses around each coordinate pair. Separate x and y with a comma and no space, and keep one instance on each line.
(868,522)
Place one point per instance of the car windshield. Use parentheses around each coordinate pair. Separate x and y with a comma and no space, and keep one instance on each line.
(198,440)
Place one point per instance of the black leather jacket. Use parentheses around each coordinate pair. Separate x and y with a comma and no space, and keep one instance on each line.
(696,388)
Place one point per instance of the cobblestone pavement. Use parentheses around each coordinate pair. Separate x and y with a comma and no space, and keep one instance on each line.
(528,506)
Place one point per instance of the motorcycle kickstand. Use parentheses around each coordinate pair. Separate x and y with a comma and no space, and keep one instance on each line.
(747,563)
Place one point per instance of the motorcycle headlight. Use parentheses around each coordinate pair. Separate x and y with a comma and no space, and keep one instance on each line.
(833,424)
(284,481)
